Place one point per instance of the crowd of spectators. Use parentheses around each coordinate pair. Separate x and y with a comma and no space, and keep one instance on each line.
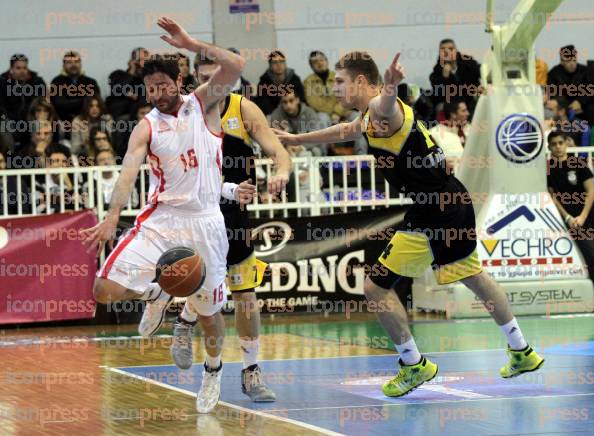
(69,123)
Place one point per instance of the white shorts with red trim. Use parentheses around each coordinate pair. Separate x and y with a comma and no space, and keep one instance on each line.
(159,228)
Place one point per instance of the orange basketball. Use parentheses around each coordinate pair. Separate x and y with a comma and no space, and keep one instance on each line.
(180,271)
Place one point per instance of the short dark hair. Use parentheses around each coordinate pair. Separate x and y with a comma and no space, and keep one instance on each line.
(58,148)
(18,57)
(360,63)
(446,40)
(554,134)
(452,107)
(314,54)
(276,53)
(70,54)
(568,52)
(161,64)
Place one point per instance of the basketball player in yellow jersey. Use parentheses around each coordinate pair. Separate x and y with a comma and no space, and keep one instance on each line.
(438,230)
(243,123)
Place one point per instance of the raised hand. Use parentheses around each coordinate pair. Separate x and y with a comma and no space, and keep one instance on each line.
(394,75)
(177,37)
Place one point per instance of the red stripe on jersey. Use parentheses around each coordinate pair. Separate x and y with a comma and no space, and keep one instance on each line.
(142,217)
(157,172)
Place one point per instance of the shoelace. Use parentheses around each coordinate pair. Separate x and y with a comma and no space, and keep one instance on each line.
(254,378)
(399,379)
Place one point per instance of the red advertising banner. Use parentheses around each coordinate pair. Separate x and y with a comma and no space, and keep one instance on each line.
(45,272)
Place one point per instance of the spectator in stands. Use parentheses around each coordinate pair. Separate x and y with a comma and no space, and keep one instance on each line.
(454,76)
(570,182)
(569,81)
(121,135)
(188,80)
(294,116)
(105,158)
(127,87)
(42,110)
(94,114)
(318,88)
(419,100)
(41,138)
(243,85)
(577,130)
(71,87)
(276,82)
(451,134)
(18,87)
(99,140)
(57,156)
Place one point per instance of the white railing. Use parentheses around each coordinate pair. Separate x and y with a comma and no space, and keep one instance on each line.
(335,185)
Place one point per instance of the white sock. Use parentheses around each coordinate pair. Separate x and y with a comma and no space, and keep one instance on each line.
(188,314)
(514,335)
(150,292)
(409,353)
(213,362)
(249,351)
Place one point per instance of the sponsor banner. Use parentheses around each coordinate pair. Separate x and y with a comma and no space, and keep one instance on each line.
(545,298)
(46,274)
(316,260)
(244,6)
(524,238)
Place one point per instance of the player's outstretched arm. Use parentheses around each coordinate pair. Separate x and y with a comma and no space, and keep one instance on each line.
(257,127)
(342,132)
(230,64)
(385,107)
(134,158)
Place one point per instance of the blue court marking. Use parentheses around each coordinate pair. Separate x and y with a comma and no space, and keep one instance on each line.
(467,397)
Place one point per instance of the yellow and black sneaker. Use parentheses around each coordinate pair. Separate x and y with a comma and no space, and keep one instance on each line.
(410,377)
(521,361)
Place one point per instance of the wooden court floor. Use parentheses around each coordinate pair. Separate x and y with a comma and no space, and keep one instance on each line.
(62,380)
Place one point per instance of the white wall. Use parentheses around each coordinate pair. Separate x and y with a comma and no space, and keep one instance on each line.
(104,31)
(415,27)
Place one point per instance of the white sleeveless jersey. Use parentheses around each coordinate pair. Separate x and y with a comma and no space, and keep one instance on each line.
(185,158)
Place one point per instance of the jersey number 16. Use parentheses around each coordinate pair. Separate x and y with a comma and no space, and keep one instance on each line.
(190,162)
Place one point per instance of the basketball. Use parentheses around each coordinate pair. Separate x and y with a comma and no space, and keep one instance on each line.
(180,271)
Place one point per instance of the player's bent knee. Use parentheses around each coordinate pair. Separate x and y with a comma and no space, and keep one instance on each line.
(102,291)
(372,290)
(208,321)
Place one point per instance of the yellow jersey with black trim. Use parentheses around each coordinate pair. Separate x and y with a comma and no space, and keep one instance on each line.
(410,160)
(238,153)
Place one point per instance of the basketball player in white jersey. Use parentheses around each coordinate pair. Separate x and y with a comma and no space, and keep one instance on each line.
(182,138)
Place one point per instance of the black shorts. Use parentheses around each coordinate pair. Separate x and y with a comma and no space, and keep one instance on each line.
(442,236)
(238,233)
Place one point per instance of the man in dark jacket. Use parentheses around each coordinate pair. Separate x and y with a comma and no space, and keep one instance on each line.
(127,87)
(18,87)
(71,87)
(277,81)
(568,79)
(454,77)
